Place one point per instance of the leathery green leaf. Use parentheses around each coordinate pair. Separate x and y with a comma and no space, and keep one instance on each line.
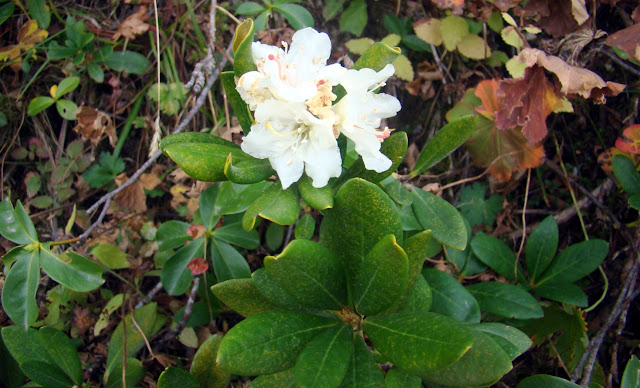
(484,364)
(243,297)
(284,379)
(175,377)
(444,142)
(247,170)
(377,57)
(268,343)
(417,248)
(576,262)
(397,378)
(46,375)
(204,368)
(203,161)
(134,373)
(419,343)
(363,370)
(417,299)
(442,218)
(240,108)
(451,298)
(506,300)
(276,205)
(513,341)
(71,270)
(382,278)
(563,292)
(15,224)
(541,247)
(243,60)
(195,138)
(325,359)
(394,147)
(546,381)
(25,345)
(175,276)
(62,352)
(497,255)
(228,263)
(20,287)
(317,198)
(631,376)
(273,292)
(362,215)
(310,273)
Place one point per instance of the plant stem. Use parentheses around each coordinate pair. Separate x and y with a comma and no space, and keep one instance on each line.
(126,128)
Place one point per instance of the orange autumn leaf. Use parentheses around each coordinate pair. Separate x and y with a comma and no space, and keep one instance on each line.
(630,140)
(503,151)
(198,266)
(28,36)
(606,157)
(526,102)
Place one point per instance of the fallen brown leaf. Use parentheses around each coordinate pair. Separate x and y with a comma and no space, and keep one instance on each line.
(92,124)
(627,39)
(133,25)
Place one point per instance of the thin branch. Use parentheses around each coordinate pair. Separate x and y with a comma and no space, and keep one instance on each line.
(187,312)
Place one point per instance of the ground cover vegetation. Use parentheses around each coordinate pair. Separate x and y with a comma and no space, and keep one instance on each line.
(319,193)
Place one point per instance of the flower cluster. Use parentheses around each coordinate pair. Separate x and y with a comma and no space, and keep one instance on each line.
(296,121)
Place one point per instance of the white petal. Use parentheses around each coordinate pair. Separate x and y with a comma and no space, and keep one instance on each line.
(355,81)
(288,166)
(322,164)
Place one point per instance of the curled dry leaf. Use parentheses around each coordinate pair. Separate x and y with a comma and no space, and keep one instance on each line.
(423,84)
(627,39)
(150,181)
(503,151)
(92,124)
(630,140)
(573,80)
(132,198)
(526,102)
(28,36)
(196,231)
(557,18)
(133,25)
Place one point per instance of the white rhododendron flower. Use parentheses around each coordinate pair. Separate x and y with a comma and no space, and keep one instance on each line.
(292,75)
(294,140)
(361,111)
(296,125)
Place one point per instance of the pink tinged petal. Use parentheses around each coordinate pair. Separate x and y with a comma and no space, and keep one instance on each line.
(260,52)
(331,74)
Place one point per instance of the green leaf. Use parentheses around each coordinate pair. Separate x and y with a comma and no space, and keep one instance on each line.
(269,342)
(201,161)
(626,173)
(453,29)
(418,343)
(6,11)
(397,378)
(243,297)
(39,10)
(111,256)
(227,262)
(234,198)
(417,299)
(273,292)
(325,359)
(377,57)
(484,364)
(451,298)
(15,224)
(541,247)
(249,170)
(172,234)
(175,377)
(129,61)
(397,191)
(71,270)
(634,201)
(382,277)
(100,174)
(332,8)
(354,18)
(148,321)
(19,290)
(25,345)
(39,104)
(506,300)
(363,370)
(47,375)
(497,255)
(42,202)
(10,373)
(631,376)
(95,72)
(476,208)
(175,276)
(394,147)
(113,304)
(445,141)
(576,262)
(563,292)
(240,108)
(310,273)
(418,247)
(284,379)
(546,381)
(243,59)
(274,236)
(305,227)
(66,85)
(234,234)
(249,8)
(317,198)
(204,368)
(445,222)
(295,14)
(276,205)
(362,215)
(62,352)
(513,341)
(207,205)
(133,375)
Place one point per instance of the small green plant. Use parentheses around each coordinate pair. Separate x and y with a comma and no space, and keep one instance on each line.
(295,14)
(66,108)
